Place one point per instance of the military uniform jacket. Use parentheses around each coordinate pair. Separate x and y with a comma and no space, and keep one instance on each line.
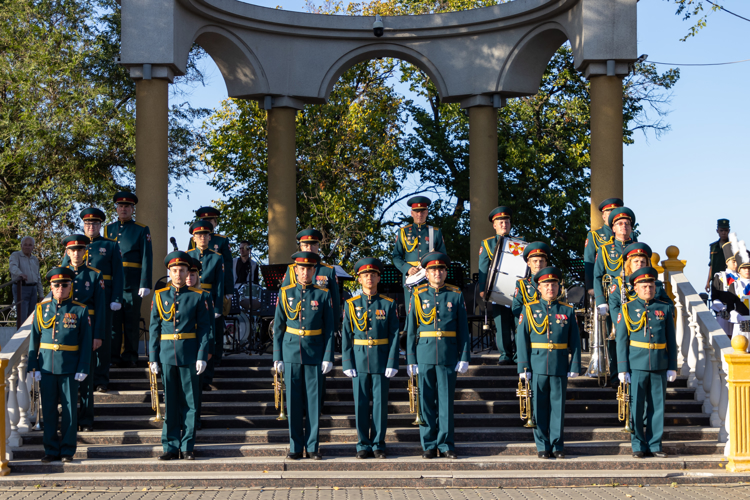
(648,323)
(716,260)
(546,323)
(442,310)
(737,291)
(370,318)
(220,244)
(413,243)
(325,277)
(212,276)
(88,288)
(594,240)
(303,307)
(104,255)
(65,324)
(134,239)
(486,254)
(182,315)
(608,261)
(615,304)
(524,294)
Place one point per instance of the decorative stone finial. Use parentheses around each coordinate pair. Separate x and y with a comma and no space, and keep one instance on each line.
(739,344)
(672,252)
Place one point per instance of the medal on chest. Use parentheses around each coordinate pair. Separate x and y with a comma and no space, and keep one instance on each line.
(425,304)
(322,281)
(88,284)
(449,305)
(659,315)
(561,319)
(314,304)
(359,311)
(380,314)
(102,251)
(70,320)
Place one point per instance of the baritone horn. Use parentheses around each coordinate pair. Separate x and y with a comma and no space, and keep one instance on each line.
(278,393)
(154,397)
(413,388)
(623,405)
(524,401)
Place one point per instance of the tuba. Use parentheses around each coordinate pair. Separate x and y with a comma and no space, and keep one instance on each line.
(278,393)
(524,402)
(623,406)
(413,388)
(599,364)
(153,383)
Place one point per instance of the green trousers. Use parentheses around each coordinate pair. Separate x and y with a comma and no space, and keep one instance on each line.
(505,329)
(303,383)
(86,392)
(548,401)
(126,328)
(437,388)
(180,403)
(102,357)
(218,334)
(371,387)
(62,390)
(648,391)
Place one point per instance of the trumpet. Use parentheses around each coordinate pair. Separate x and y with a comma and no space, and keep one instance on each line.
(278,393)
(413,388)
(155,397)
(524,402)
(623,406)
(36,402)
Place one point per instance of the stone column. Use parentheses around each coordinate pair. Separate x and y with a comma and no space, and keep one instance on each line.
(606,142)
(482,175)
(282,184)
(151,170)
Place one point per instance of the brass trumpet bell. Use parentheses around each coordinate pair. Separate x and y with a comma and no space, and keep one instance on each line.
(623,406)
(524,402)
(278,394)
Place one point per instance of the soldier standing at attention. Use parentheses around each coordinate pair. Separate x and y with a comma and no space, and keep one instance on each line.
(415,241)
(370,356)
(636,256)
(437,348)
(194,281)
(596,238)
(178,343)
(536,256)
(501,222)
(60,358)
(647,359)
(88,289)
(103,254)
(717,262)
(547,329)
(134,239)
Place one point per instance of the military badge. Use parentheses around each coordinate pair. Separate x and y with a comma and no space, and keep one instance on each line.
(659,315)
(480,250)
(321,280)
(101,282)
(515,292)
(586,244)
(102,251)
(148,236)
(612,289)
(619,316)
(380,314)
(450,306)
(425,304)
(314,304)
(520,318)
(89,320)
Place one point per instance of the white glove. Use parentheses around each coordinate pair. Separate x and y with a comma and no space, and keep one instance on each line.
(572,374)
(671,375)
(624,377)
(278,366)
(734,316)
(602,309)
(390,372)
(154,367)
(200,366)
(80,377)
(462,367)
(142,292)
(217,315)
(718,306)
(115,306)
(326,367)
(524,376)
(37,376)
(350,373)
(412,370)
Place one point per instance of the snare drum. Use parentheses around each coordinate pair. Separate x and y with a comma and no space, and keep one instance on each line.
(416,278)
(510,268)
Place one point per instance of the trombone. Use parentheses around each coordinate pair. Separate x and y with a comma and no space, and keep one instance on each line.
(623,406)
(278,393)
(155,397)
(524,402)
(36,402)
(413,388)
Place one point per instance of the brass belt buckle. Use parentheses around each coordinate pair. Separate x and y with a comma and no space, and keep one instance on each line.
(651,345)
(57,347)
(302,332)
(370,342)
(551,345)
(177,336)
(439,334)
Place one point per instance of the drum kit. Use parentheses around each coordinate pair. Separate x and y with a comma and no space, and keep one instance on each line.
(244,322)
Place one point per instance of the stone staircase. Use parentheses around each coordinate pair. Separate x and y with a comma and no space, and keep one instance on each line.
(242,444)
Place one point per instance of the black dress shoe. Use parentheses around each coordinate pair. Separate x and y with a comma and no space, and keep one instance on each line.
(87,428)
(101,388)
(207,387)
(638,454)
(67,458)
(543,454)
(316,456)
(503,362)
(379,454)
(362,454)
(49,458)
(429,454)
(169,456)
(188,455)
(558,454)
(449,454)
(660,454)
(294,456)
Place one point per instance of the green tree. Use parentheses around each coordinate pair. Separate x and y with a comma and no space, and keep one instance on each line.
(693,9)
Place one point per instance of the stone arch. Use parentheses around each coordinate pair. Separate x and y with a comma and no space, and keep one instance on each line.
(525,65)
(373,51)
(242,71)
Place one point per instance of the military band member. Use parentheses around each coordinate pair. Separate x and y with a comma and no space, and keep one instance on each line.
(536,256)
(194,281)
(416,240)
(60,358)
(596,238)
(103,254)
(647,359)
(437,348)
(717,262)
(637,256)
(303,351)
(134,239)
(88,288)
(547,330)
(211,276)
(500,218)
(740,291)
(722,301)
(178,346)
(369,349)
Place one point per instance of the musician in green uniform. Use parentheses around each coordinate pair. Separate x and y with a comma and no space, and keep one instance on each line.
(637,256)
(134,239)
(547,331)
(416,240)
(647,359)
(60,357)
(536,256)
(596,238)
(437,349)
(369,349)
(178,346)
(194,281)
(103,254)
(500,218)
(303,351)
(212,280)
(88,289)
(717,263)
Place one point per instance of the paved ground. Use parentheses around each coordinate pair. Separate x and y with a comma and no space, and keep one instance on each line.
(595,493)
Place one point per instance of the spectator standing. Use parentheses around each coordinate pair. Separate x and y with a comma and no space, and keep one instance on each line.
(24,267)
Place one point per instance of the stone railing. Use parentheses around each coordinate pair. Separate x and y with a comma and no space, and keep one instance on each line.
(701,344)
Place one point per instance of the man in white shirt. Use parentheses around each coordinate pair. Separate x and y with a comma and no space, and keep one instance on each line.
(24,267)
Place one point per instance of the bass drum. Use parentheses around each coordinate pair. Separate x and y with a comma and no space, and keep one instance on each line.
(510,268)
(242,325)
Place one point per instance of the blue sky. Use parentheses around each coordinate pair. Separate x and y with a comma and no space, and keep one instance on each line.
(679,184)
